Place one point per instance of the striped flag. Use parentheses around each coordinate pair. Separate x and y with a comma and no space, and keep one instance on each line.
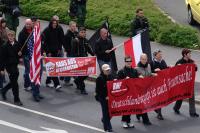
(34,50)
(137,45)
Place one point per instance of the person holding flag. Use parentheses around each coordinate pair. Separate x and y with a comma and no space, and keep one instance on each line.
(9,60)
(104,49)
(23,38)
(34,50)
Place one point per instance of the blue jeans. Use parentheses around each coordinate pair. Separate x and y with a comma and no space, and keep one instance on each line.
(35,89)
(105,112)
(27,81)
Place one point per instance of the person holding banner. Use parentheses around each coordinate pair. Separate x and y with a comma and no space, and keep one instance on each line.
(101,95)
(81,48)
(69,36)
(127,72)
(9,60)
(144,70)
(157,65)
(52,41)
(104,49)
(186,58)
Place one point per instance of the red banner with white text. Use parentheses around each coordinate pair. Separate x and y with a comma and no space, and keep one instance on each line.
(79,66)
(136,96)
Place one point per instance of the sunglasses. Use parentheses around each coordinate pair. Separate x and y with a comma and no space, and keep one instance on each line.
(128,61)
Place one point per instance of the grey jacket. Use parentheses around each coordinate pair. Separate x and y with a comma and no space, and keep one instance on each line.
(144,71)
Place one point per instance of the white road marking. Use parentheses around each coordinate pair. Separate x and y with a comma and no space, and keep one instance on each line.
(48,130)
(53,117)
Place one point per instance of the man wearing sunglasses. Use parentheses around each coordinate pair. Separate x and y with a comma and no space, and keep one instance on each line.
(127,72)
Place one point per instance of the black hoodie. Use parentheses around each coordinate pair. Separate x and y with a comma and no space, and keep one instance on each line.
(52,39)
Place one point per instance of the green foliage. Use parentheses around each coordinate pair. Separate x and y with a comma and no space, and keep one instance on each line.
(120,14)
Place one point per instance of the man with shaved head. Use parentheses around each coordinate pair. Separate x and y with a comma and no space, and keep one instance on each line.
(104,48)
(144,70)
(22,39)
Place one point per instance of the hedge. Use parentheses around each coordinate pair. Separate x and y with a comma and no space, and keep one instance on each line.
(120,14)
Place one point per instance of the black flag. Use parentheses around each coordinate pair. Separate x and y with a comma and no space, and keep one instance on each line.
(96,36)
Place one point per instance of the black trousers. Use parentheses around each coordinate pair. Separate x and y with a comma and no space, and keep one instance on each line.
(158,111)
(126,118)
(105,114)
(79,81)
(145,117)
(13,76)
(192,108)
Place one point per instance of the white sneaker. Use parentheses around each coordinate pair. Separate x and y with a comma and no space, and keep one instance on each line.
(130,125)
(58,87)
(51,85)
(124,124)
(28,88)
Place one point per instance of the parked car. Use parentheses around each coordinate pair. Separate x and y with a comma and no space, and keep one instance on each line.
(193,7)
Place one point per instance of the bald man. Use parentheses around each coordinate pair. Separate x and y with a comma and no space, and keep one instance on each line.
(22,39)
(144,70)
(104,48)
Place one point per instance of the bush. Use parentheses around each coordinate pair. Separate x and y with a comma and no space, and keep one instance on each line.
(181,36)
(120,14)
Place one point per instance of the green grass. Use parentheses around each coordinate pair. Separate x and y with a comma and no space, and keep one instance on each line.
(120,14)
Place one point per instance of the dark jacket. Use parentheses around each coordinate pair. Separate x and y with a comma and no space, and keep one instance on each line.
(156,64)
(9,4)
(52,39)
(101,46)
(22,38)
(127,72)
(81,2)
(81,48)
(183,61)
(139,24)
(101,86)
(9,58)
(69,36)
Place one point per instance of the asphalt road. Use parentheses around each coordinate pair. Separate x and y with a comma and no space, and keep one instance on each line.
(176,9)
(70,112)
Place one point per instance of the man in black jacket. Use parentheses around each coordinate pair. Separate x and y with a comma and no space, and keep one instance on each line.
(23,39)
(140,23)
(127,72)
(104,49)
(78,9)
(81,48)
(12,12)
(102,95)
(69,36)
(52,41)
(186,58)
(157,65)
(9,60)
